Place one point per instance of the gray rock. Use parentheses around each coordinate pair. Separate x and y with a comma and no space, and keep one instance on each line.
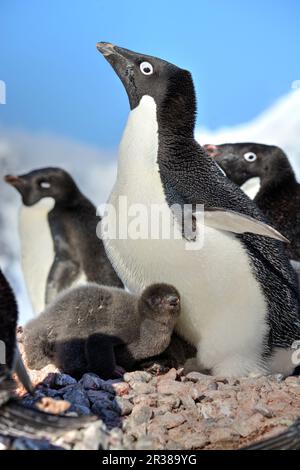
(62,380)
(170,420)
(81,410)
(110,417)
(137,376)
(188,402)
(93,438)
(122,405)
(142,388)
(141,414)
(99,406)
(91,381)
(96,395)
(170,387)
(77,396)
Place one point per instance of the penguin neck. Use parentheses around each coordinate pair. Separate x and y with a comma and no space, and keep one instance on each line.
(139,145)
(280,178)
(151,127)
(71,200)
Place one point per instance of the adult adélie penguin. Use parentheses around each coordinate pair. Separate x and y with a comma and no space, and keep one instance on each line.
(240,300)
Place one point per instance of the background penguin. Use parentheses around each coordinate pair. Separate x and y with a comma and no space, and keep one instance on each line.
(240,299)
(10,359)
(278,193)
(92,328)
(15,419)
(60,247)
(287,440)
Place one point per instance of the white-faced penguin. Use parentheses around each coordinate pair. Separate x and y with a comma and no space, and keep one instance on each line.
(240,299)
(15,419)
(60,247)
(93,328)
(278,193)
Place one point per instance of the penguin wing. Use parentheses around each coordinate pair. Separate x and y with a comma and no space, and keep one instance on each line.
(64,271)
(231,221)
(288,440)
(22,372)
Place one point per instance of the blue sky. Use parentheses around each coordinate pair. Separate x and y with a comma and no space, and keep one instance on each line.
(243,54)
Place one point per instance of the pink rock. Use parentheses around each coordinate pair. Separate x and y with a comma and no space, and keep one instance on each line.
(170,375)
(169,387)
(121,388)
(170,420)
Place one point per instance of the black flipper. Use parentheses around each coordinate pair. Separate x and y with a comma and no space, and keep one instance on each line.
(62,273)
(288,440)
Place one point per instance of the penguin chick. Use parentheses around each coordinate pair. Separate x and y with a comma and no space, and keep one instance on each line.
(287,440)
(60,247)
(15,419)
(277,193)
(92,328)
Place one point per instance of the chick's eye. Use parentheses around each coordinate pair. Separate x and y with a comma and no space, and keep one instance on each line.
(154,301)
(44,184)
(146,68)
(250,157)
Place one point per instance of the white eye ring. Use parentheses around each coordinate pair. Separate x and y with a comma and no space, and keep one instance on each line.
(45,185)
(250,157)
(146,68)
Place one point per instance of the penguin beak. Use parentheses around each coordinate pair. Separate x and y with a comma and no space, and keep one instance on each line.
(16,182)
(120,59)
(211,150)
(13,180)
(20,184)
(123,62)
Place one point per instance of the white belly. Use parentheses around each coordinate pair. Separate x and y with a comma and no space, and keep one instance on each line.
(251,187)
(37,250)
(223,308)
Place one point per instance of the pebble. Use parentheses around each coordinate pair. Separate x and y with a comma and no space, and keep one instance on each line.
(91,382)
(169,411)
(77,396)
(137,376)
(62,380)
(143,388)
(122,405)
(141,414)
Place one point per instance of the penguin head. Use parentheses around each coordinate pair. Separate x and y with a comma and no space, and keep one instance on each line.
(170,87)
(44,183)
(160,302)
(242,161)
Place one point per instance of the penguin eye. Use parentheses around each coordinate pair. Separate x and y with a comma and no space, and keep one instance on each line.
(154,301)
(250,157)
(146,68)
(44,184)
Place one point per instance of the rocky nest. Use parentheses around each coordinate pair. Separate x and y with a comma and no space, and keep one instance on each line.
(169,411)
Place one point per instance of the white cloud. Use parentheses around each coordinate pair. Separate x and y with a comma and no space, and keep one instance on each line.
(278,125)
